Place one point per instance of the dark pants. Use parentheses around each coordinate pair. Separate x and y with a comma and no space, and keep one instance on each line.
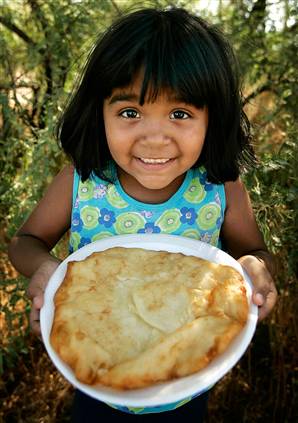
(88,410)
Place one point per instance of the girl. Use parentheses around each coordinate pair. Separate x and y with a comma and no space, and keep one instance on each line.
(157,138)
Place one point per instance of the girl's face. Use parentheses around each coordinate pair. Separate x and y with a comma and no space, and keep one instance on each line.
(155,144)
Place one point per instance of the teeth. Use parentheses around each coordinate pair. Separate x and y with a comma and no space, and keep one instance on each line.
(154,160)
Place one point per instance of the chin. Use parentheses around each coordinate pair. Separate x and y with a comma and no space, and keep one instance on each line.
(155,185)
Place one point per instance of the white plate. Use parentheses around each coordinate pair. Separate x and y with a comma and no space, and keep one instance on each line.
(163,393)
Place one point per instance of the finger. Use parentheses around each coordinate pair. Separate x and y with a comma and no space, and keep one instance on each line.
(268,305)
(38,301)
(35,321)
(258,299)
(34,290)
(35,327)
(263,312)
(263,287)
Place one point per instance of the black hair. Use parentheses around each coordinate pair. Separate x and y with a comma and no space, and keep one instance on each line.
(178,51)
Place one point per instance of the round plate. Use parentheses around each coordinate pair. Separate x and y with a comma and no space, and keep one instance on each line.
(162,393)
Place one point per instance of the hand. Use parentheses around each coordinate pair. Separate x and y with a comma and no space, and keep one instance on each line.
(36,290)
(264,292)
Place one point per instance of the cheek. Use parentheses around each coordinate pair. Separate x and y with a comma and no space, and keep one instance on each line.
(119,146)
(112,134)
(115,148)
(195,141)
(109,126)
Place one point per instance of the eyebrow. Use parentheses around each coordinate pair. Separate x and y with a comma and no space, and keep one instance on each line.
(123,97)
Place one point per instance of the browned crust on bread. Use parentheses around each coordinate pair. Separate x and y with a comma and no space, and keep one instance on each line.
(121,324)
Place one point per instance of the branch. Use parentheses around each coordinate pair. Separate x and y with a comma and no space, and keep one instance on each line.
(258,10)
(265,87)
(22,113)
(47,62)
(34,111)
(12,27)
(36,9)
(10,86)
(116,7)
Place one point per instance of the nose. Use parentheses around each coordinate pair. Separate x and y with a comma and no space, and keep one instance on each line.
(155,132)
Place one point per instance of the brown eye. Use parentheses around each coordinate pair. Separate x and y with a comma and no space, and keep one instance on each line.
(130,114)
(179,114)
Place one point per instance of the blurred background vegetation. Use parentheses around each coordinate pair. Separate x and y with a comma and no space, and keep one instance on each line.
(43,44)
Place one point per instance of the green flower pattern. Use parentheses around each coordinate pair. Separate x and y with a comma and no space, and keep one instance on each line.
(169,221)
(86,190)
(195,192)
(114,198)
(129,223)
(207,216)
(102,209)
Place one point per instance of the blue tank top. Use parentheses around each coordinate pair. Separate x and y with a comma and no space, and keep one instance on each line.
(102,209)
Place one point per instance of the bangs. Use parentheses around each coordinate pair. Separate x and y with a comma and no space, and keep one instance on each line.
(173,53)
(169,58)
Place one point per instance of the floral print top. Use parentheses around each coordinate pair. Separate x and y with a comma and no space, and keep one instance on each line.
(102,209)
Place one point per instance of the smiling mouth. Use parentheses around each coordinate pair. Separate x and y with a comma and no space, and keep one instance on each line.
(153,161)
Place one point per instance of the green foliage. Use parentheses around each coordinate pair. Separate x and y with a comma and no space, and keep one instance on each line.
(43,45)
(274,191)
(15,329)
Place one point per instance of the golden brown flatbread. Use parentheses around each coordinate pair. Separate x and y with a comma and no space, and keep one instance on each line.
(129,317)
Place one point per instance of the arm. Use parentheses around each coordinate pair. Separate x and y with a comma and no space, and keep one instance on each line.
(244,242)
(29,249)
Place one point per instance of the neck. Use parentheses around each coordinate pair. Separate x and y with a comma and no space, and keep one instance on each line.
(150,196)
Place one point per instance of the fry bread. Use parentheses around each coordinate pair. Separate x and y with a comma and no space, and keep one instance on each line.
(130,317)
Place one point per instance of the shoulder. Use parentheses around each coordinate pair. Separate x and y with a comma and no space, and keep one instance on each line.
(50,219)
(60,189)
(63,181)
(240,231)
(66,173)
(235,192)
